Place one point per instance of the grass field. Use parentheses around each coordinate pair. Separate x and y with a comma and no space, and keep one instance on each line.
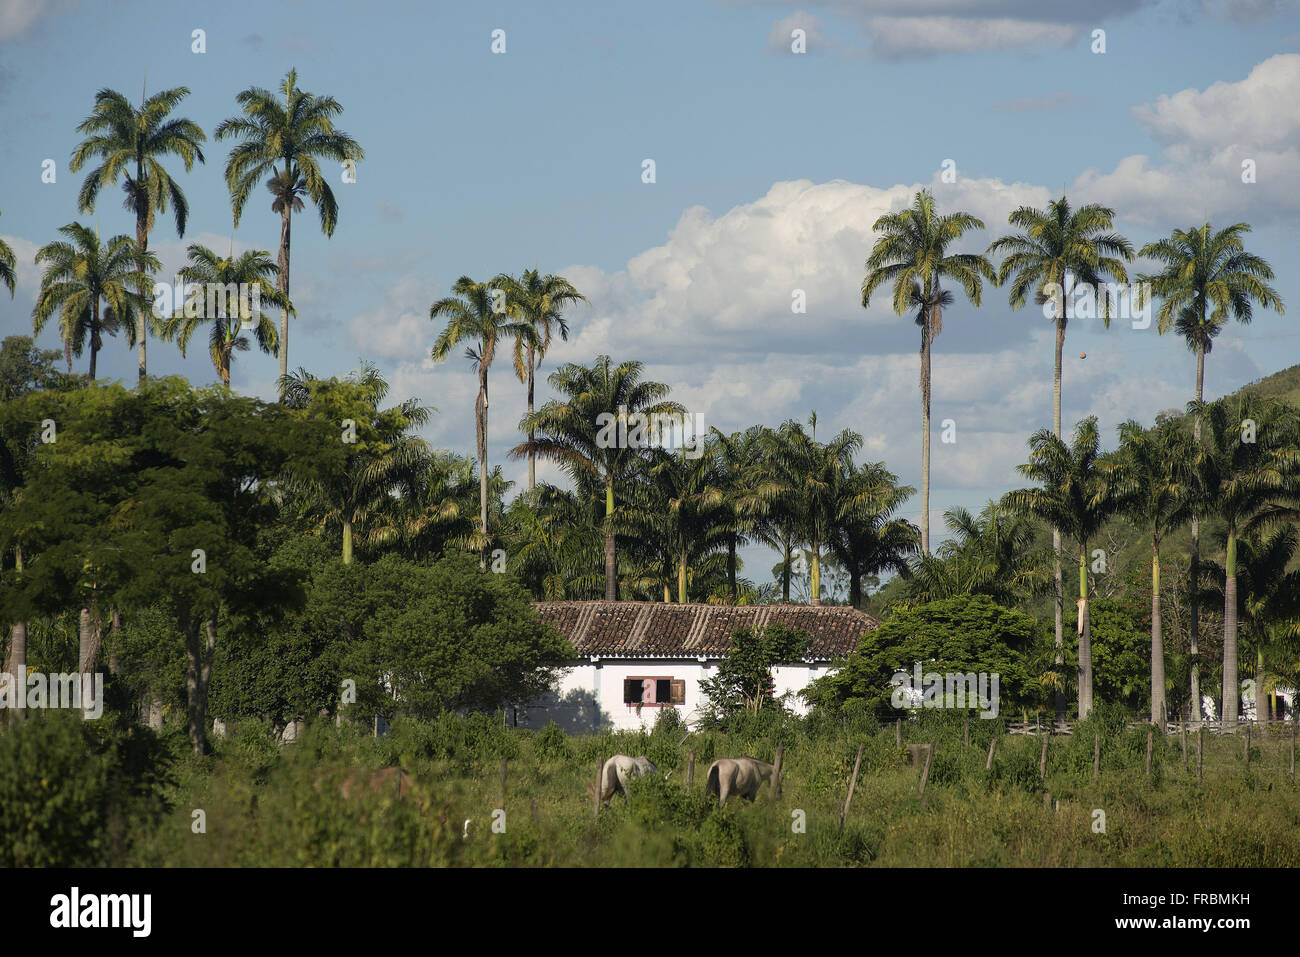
(267,805)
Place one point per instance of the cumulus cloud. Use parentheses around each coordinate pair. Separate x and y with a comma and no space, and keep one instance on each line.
(17,17)
(1207,136)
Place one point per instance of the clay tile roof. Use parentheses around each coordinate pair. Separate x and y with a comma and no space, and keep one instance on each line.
(613,629)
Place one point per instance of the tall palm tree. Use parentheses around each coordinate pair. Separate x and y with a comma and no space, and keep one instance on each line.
(1054,245)
(1074,497)
(867,539)
(735,460)
(912,254)
(471,318)
(132,143)
(8,265)
(1268,601)
(1207,279)
(537,302)
(295,132)
(1248,467)
(252,270)
(92,286)
(354,491)
(575,431)
(1153,485)
(681,508)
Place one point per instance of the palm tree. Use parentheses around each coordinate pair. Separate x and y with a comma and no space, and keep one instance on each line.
(1153,486)
(252,270)
(808,478)
(992,553)
(537,302)
(735,461)
(867,540)
(680,508)
(578,431)
(1054,244)
(471,318)
(1074,497)
(1207,279)
(132,143)
(556,546)
(8,265)
(80,274)
(295,133)
(912,254)
(1269,608)
(1247,469)
(355,491)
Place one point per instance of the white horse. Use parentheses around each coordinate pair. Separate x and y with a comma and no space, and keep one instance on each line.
(742,776)
(617,771)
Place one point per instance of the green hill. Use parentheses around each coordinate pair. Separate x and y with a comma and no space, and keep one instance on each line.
(1284,385)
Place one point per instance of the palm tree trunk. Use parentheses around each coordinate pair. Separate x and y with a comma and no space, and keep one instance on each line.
(94,336)
(611,575)
(1057,578)
(785,571)
(816,584)
(1157,641)
(925,438)
(17,667)
(1230,634)
(532,455)
(481,425)
(282,281)
(89,639)
(1194,569)
(1085,637)
(1261,700)
(731,566)
(141,326)
(855,585)
(681,577)
(347,542)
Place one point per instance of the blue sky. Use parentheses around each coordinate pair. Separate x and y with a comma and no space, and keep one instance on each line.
(770,169)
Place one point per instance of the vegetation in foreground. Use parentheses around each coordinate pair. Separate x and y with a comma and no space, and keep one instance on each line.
(128,797)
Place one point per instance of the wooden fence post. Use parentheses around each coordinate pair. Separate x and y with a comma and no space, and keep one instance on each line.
(853,783)
(1182,734)
(503,783)
(690,771)
(1200,744)
(925,775)
(595,799)
(988,765)
(1151,732)
(776,774)
(1293,751)
(1042,761)
(1096,756)
(1245,751)
(898,732)
(965,731)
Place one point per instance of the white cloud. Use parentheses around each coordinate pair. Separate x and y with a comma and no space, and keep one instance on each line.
(18,16)
(905,36)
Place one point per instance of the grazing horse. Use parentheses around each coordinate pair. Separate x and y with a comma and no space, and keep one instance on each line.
(741,776)
(617,771)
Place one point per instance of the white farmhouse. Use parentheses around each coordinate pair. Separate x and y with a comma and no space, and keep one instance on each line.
(635,658)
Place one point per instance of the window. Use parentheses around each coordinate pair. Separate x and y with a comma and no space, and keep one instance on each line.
(654,691)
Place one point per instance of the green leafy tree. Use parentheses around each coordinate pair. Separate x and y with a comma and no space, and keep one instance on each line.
(912,255)
(970,634)
(868,540)
(992,553)
(743,681)
(284,141)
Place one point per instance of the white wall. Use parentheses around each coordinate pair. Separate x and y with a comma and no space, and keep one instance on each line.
(589,696)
